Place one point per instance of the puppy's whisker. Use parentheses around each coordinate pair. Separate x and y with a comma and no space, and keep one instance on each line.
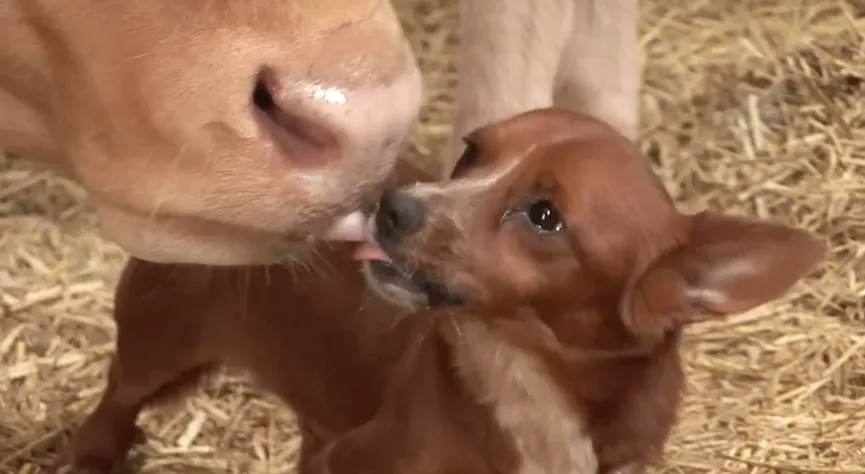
(457,329)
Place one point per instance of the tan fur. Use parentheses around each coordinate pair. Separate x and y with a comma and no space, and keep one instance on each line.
(148,105)
(525,54)
(527,403)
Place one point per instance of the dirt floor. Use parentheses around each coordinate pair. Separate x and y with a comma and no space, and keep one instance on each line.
(755,107)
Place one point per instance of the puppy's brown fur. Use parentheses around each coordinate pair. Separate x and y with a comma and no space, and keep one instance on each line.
(558,354)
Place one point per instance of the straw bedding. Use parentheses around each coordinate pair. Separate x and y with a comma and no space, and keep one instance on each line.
(754,107)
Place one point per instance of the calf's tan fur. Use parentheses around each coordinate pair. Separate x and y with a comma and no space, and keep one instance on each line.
(217,132)
(230,132)
(519,55)
(537,302)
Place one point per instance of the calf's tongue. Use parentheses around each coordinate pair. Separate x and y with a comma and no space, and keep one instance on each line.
(350,228)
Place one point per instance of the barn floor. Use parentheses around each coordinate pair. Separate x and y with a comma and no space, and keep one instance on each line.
(755,107)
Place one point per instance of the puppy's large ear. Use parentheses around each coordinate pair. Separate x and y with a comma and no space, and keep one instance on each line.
(728,265)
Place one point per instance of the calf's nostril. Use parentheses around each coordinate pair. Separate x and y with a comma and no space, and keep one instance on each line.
(262,97)
(292,122)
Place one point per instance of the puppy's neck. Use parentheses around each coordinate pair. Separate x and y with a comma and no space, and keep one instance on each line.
(568,339)
(562,397)
(549,432)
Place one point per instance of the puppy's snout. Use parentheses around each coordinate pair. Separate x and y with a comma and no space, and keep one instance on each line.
(399,215)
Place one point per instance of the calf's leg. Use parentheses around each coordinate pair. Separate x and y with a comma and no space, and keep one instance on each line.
(599,73)
(160,351)
(509,55)
(363,450)
(310,446)
(101,444)
(524,54)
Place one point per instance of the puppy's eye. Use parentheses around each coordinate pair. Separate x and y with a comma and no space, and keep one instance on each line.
(467,160)
(544,216)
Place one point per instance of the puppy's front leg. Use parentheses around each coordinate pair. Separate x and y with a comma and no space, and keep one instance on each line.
(509,54)
(600,72)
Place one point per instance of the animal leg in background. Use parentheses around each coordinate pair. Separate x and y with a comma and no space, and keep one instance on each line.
(139,374)
(509,55)
(524,54)
(599,73)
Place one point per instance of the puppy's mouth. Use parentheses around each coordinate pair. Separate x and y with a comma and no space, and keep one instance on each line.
(401,284)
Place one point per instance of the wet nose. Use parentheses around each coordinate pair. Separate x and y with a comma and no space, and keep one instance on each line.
(399,216)
(358,98)
(293,126)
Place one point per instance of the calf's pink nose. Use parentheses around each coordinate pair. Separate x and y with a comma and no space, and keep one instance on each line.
(354,102)
(297,126)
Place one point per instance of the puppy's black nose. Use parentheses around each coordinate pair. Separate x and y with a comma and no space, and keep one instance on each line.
(399,215)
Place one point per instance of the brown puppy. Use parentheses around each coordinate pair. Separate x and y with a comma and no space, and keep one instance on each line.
(543,294)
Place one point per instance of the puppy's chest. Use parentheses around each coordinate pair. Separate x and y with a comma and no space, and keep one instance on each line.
(549,436)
